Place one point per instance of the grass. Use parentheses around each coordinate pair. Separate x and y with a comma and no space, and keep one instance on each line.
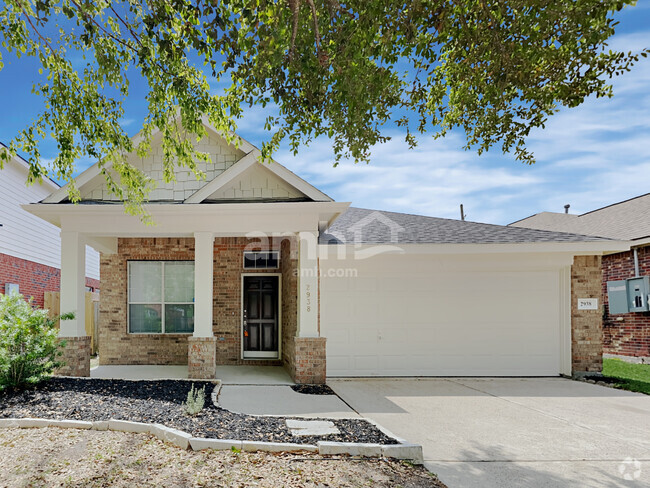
(628,376)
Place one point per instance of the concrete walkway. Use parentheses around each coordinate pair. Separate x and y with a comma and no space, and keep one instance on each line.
(283,401)
(538,432)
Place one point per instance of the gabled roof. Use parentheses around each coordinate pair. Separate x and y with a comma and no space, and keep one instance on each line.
(379,226)
(626,220)
(251,163)
(242,160)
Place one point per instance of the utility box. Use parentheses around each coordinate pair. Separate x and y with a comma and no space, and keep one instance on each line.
(637,293)
(617,297)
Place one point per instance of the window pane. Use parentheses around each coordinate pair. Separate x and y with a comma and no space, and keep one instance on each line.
(145,318)
(260,260)
(145,281)
(272,261)
(249,260)
(179,318)
(179,282)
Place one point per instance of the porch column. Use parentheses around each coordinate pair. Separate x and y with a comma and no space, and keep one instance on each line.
(201,357)
(309,354)
(76,353)
(308,284)
(203,283)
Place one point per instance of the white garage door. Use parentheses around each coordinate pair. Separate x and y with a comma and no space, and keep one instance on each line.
(408,315)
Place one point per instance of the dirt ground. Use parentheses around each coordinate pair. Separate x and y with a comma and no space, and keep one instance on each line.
(55,457)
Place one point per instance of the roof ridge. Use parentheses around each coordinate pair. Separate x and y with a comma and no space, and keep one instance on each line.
(614,204)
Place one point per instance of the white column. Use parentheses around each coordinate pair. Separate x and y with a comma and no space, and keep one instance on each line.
(308,284)
(203,283)
(73,284)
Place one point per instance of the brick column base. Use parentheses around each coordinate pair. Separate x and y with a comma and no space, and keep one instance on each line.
(586,325)
(76,356)
(201,357)
(309,361)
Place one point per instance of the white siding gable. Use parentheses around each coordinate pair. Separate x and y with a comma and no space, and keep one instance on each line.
(24,235)
(257,182)
(222,156)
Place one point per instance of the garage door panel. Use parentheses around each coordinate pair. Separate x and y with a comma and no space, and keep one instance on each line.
(405,318)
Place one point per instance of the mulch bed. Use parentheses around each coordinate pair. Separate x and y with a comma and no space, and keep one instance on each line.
(161,401)
(313,389)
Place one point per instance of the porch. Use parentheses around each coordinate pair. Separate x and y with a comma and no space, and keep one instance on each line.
(210,301)
(229,375)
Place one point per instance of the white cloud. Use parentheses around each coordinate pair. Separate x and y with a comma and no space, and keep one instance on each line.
(434,179)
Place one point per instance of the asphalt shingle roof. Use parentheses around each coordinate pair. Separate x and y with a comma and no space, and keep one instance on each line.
(625,220)
(364,226)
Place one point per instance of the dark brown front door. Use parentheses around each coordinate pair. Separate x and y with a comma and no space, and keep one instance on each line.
(260,316)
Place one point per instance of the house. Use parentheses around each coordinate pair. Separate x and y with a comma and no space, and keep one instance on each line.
(626,334)
(254,266)
(30,248)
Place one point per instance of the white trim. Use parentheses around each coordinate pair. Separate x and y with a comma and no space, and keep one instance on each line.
(224,178)
(262,354)
(566,343)
(583,248)
(174,220)
(297,182)
(248,161)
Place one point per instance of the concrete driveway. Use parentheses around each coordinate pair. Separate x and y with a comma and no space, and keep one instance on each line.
(512,432)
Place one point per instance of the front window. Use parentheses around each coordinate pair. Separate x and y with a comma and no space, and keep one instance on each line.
(261,259)
(161,297)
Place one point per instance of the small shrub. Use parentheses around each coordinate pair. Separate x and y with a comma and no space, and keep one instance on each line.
(29,347)
(195,400)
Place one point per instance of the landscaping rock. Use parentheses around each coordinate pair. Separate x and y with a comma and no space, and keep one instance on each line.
(161,402)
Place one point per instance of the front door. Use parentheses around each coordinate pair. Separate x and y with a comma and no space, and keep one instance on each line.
(260,317)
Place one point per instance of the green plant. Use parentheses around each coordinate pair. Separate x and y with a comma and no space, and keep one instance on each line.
(29,346)
(195,400)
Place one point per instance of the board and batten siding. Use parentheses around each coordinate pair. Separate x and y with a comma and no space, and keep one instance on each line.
(24,235)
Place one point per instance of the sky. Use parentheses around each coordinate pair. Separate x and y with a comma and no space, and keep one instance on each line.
(589,157)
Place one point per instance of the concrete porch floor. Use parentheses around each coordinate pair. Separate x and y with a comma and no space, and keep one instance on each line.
(229,375)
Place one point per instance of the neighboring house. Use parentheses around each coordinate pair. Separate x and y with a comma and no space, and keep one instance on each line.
(255,266)
(625,334)
(30,248)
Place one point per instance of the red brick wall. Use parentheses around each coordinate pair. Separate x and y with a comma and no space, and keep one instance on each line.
(117,346)
(630,336)
(34,279)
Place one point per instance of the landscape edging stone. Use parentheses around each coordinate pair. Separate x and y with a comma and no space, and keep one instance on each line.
(404,451)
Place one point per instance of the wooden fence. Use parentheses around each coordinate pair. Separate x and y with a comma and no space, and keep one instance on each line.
(52,302)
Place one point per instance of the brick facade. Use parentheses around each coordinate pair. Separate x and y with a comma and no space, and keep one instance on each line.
(117,346)
(586,325)
(76,356)
(33,279)
(201,357)
(626,334)
(309,366)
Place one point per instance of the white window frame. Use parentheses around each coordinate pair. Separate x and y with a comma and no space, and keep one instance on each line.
(270,251)
(162,303)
